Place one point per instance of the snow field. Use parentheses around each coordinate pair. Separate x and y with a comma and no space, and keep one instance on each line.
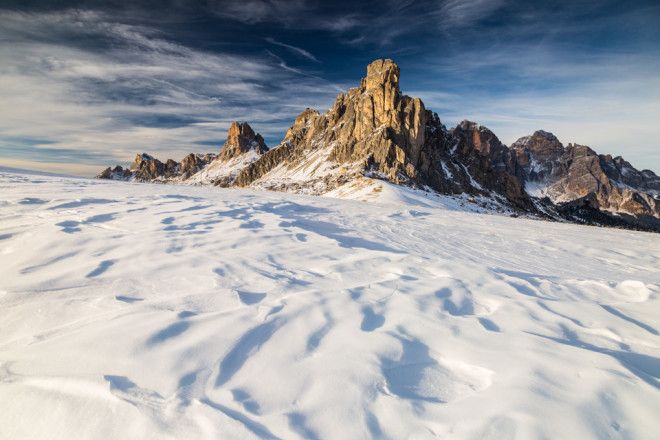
(163,312)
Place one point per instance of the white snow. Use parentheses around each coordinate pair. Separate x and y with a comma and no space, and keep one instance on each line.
(218,169)
(445,170)
(536,189)
(316,165)
(182,312)
(386,193)
(473,182)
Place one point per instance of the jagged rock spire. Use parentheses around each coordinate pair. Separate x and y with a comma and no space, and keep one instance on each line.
(372,126)
(381,73)
(379,123)
(139,160)
(382,84)
(241,139)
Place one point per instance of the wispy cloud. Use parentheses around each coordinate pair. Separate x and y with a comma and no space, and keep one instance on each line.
(132,90)
(257,11)
(456,14)
(294,49)
(98,85)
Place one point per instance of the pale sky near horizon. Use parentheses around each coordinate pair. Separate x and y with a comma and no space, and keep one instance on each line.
(88,84)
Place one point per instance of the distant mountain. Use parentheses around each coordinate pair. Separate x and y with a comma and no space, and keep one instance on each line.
(243,146)
(576,178)
(375,132)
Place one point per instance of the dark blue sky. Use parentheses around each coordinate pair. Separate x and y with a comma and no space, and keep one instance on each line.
(94,82)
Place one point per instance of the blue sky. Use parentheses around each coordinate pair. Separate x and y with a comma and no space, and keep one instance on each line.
(88,84)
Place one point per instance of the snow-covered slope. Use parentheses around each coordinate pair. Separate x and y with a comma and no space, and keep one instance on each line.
(171,312)
(218,169)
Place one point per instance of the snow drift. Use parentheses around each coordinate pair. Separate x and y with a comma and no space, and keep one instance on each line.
(162,312)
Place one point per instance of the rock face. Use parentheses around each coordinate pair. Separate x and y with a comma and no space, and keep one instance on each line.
(240,140)
(490,162)
(373,131)
(537,155)
(116,173)
(193,163)
(576,174)
(146,168)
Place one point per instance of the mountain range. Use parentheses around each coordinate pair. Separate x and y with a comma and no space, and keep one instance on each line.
(374,134)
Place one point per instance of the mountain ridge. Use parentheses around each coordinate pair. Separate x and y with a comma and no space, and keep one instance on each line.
(374,131)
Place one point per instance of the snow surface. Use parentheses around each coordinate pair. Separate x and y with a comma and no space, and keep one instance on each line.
(384,192)
(218,169)
(308,174)
(171,312)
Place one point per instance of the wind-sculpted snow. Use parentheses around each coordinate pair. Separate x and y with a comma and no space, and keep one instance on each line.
(152,311)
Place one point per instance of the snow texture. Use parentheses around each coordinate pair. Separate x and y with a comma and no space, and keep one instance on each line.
(171,312)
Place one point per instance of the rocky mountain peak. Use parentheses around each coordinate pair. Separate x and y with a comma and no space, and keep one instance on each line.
(375,130)
(477,138)
(382,75)
(139,160)
(375,123)
(538,155)
(241,139)
(371,128)
(541,143)
(488,164)
(576,176)
(546,135)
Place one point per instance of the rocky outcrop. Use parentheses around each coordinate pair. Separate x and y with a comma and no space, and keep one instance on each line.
(116,173)
(376,124)
(490,163)
(537,155)
(194,163)
(240,140)
(146,167)
(619,170)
